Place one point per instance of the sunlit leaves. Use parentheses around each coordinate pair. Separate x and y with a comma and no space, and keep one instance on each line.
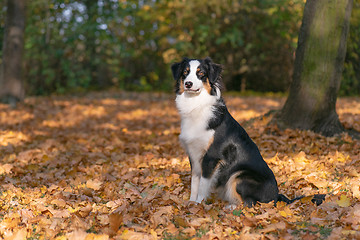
(109,166)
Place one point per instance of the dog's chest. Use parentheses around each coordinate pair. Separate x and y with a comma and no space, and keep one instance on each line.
(195,135)
(196,113)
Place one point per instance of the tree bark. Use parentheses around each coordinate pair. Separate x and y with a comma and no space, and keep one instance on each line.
(90,43)
(318,67)
(11,79)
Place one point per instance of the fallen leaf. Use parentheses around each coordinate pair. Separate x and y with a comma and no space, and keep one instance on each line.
(273,227)
(60,203)
(5,169)
(344,201)
(197,222)
(77,235)
(109,165)
(18,235)
(132,235)
(94,184)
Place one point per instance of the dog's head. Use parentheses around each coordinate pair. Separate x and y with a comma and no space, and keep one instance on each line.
(195,75)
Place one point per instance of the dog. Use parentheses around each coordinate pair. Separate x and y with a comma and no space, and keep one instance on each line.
(223,158)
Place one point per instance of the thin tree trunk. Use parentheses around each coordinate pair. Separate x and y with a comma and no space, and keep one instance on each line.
(11,79)
(90,42)
(318,67)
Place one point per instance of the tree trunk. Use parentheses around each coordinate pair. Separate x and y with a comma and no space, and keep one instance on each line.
(11,82)
(318,67)
(90,42)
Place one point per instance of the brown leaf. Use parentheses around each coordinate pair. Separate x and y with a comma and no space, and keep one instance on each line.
(273,227)
(85,211)
(115,221)
(94,184)
(132,235)
(60,203)
(161,216)
(5,169)
(77,235)
(180,221)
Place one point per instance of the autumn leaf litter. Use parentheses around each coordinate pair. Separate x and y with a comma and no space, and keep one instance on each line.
(109,166)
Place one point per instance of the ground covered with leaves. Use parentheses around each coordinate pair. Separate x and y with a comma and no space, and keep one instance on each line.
(109,166)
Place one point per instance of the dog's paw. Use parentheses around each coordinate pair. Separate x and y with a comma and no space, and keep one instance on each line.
(193,198)
(230,207)
(199,200)
(190,203)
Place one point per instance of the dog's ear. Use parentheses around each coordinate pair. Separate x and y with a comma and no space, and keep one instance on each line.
(177,68)
(214,70)
(176,71)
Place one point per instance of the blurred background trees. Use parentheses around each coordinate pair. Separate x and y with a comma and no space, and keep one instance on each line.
(76,45)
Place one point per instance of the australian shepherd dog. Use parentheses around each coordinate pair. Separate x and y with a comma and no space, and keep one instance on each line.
(222,156)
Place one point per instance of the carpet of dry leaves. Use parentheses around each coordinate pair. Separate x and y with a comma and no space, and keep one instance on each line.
(109,166)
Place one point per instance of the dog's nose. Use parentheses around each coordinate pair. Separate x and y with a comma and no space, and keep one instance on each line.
(188,84)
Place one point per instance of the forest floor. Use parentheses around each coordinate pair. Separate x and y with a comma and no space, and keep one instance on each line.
(109,166)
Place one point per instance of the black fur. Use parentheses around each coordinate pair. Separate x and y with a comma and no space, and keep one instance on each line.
(232,144)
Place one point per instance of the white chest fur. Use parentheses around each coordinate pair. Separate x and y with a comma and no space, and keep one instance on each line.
(195,112)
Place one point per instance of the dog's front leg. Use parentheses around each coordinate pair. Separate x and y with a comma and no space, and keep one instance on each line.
(210,167)
(195,177)
(195,181)
(204,189)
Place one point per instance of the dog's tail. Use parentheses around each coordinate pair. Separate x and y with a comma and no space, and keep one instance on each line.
(317,199)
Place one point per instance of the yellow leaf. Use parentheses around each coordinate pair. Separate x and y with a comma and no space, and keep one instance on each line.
(72,210)
(340,157)
(348,232)
(93,236)
(153,233)
(344,201)
(63,237)
(306,199)
(283,213)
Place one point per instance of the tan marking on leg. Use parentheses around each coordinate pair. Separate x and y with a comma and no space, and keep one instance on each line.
(220,164)
(230,189)
(210,142)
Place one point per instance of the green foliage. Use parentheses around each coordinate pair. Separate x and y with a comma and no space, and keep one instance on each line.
(350,84)
(237,212)
(90,44)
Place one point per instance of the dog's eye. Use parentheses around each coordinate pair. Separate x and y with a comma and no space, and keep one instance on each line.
(186,71)
(201,73)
